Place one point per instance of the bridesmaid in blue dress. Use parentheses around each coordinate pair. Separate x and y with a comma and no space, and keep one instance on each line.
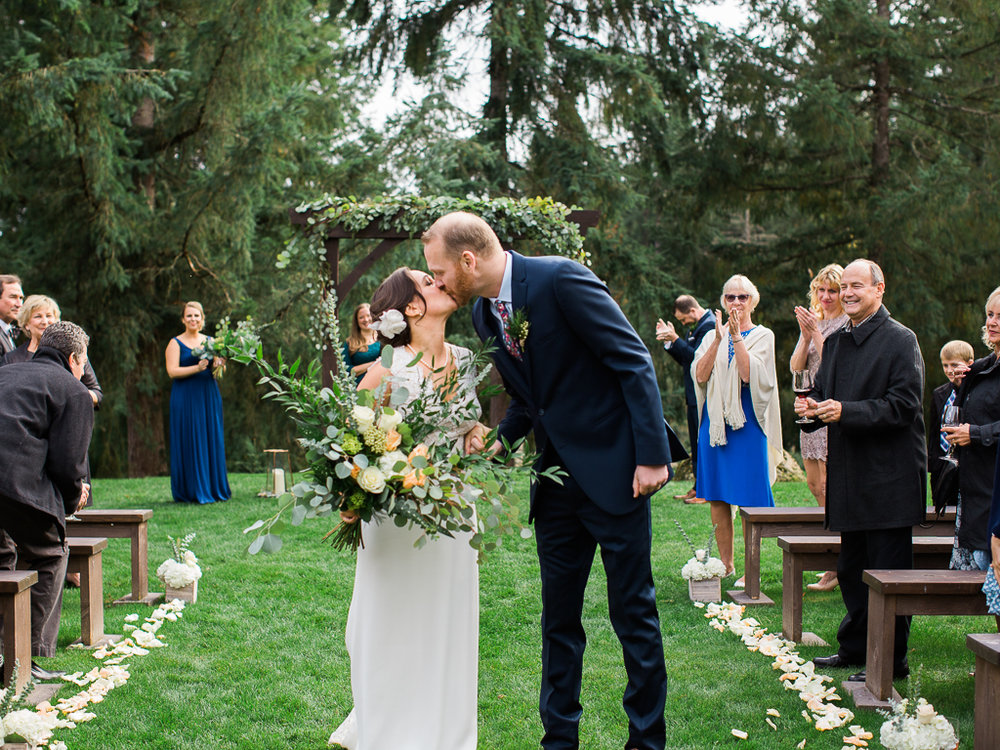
(361,349)
(197,450)
(739,436)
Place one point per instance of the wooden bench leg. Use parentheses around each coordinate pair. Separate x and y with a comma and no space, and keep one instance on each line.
(987,724)
(140,564)
(16,610)
(791,599)
(881,643)
(751,560)
(92,600)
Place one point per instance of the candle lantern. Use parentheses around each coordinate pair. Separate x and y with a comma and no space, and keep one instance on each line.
(279,473)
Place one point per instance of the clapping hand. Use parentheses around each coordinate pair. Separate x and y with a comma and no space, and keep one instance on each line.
(720,327)
(665,331)
(807,320)
(734,321)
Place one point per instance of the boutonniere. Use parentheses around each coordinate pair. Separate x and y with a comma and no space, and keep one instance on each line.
(519,326)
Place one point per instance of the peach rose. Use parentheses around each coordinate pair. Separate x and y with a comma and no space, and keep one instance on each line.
(419,450)
(413,479)
(392,440)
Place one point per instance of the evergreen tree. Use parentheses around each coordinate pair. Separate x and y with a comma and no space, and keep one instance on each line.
(149,155)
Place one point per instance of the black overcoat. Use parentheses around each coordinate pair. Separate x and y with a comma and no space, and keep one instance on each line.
(877,458)
(46,422)
(979,399)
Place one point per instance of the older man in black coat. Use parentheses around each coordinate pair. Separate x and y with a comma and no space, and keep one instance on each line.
(869,391)
(46,423)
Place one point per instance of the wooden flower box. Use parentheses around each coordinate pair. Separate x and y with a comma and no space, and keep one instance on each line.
(706,590)
(187,594)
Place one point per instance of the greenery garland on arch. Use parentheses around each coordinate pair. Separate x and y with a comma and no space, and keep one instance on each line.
(540,219)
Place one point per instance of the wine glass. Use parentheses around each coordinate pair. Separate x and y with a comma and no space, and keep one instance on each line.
(951,417)
(802,384)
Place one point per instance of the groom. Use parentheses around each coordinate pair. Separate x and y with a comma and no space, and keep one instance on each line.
(581,378)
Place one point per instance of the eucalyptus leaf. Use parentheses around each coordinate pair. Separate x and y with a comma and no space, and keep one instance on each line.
(271,543)
(255,545)
(342,470)
(253,527)
(298,515)
(387,353)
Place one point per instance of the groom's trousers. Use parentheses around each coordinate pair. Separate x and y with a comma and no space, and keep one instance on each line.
(568,529)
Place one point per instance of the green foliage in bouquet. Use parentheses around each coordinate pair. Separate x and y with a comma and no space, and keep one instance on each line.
(367,457)
(245,337)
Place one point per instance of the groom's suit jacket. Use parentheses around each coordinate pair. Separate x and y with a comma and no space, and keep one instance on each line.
(586,383)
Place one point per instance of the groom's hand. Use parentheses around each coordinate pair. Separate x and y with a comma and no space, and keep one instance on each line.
(475,439)
(648,479)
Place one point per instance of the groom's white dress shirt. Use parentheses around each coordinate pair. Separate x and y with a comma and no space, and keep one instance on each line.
(505,295)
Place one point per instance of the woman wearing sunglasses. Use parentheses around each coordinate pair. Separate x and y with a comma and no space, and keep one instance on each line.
(739,434)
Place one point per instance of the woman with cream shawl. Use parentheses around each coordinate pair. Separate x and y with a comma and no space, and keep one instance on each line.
(739,435)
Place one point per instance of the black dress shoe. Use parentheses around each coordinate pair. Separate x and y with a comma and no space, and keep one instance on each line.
(898,673)
(44,674)
(833,661)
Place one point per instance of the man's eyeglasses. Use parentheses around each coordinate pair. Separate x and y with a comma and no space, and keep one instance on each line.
(734,297)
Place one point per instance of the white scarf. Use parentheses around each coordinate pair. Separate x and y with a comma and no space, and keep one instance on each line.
(721,394)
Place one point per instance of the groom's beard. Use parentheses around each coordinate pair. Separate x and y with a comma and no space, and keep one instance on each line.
(463,288)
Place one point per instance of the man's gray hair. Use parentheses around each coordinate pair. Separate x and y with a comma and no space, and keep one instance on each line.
(877,276)
(67,338)
(8,278)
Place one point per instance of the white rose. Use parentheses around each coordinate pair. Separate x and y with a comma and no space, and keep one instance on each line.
(699,555)
(389,420)
(389,460)
(189,558)
(364,416)
(925,712)
(371,480)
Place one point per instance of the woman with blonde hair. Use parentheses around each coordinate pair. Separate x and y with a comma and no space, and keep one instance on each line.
(975,441)
(362,347)
(823,316)
(739,435)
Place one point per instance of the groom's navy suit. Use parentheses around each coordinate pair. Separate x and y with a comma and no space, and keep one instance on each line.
(585,385)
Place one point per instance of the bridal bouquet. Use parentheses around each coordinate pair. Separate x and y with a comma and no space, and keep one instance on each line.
(365,456)
(244,337)
(702,566)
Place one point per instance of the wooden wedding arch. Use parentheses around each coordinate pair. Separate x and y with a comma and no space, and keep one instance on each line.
(388,235)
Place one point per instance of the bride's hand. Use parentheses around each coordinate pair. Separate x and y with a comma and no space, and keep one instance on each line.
(475,438)
(349,516)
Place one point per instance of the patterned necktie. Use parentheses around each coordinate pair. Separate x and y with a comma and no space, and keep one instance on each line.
(508,341)
(6,340)
(945,445)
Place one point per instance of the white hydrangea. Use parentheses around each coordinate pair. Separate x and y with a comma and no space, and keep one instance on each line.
(35,728)
(928,730)
(178,575)
(696,570)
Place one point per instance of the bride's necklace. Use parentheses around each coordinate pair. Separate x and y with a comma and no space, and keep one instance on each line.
(423,360)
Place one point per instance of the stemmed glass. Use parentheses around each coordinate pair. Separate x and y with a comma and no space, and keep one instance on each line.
(951,417)
(802,384)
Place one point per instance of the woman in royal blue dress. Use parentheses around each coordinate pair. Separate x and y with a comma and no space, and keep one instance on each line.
(739,435)
(197,450)
(361,348)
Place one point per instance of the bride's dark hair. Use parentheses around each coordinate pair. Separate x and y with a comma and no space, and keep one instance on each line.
(395,293)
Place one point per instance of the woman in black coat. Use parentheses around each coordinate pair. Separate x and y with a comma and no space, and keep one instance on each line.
(976,451)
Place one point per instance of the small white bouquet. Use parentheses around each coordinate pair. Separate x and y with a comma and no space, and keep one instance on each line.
(181,570)
(917,726)
(913,724)
(702,566)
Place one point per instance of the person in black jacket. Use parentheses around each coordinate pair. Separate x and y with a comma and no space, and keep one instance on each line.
(868,393)
(975,439)
(46,422)
(689,313)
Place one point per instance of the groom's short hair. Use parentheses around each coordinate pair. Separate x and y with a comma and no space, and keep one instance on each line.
(460,231)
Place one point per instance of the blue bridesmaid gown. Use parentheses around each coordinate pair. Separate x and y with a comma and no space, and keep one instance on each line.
(197,450)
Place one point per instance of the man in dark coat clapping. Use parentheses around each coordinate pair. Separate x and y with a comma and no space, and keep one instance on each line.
(47,420)
(868,392)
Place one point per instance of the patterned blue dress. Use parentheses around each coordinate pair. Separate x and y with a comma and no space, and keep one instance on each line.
(197,449)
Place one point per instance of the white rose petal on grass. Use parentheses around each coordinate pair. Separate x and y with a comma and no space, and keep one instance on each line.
(771,724)
(801,745)
(132,617)
(773,712)
(739,734)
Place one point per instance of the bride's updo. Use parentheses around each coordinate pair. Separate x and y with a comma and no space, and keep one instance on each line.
(395,293)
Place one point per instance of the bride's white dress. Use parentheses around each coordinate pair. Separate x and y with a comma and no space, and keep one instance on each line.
(413,627)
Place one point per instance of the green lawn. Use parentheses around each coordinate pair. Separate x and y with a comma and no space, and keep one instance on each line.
(259,661)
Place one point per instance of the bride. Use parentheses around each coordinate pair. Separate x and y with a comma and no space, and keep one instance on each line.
(413,627)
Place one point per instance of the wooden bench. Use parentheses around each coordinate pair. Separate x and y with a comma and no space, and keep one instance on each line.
(802,553)
(986,647)
(759,523)
(85,559)
(15,606)
(908,592)
(120,524)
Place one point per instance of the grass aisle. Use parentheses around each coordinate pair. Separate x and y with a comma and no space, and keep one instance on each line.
(259,662)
